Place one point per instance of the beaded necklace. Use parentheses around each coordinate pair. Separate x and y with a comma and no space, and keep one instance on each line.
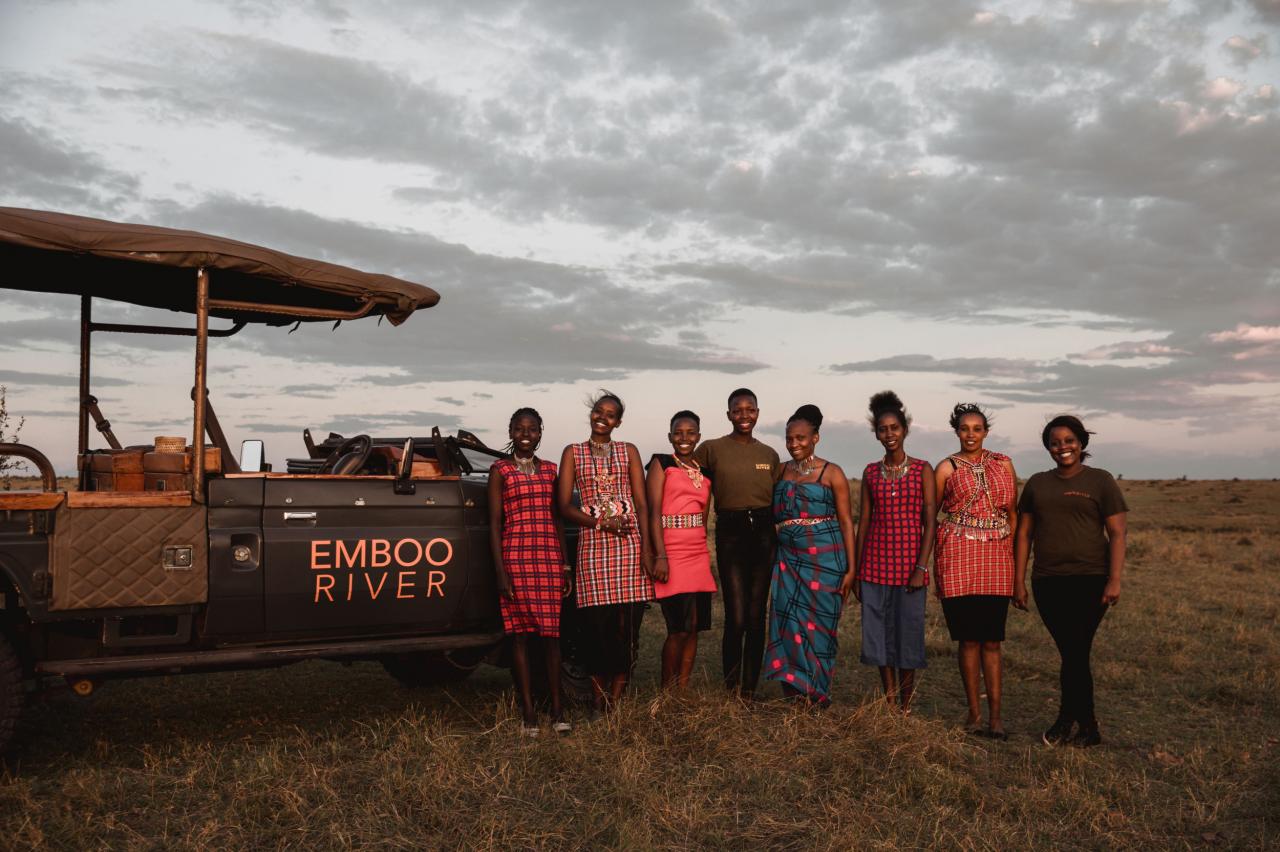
(692,471)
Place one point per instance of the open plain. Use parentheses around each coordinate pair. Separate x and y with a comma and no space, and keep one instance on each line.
(329,756)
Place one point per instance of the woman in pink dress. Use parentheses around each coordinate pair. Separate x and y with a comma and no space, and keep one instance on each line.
(680,491)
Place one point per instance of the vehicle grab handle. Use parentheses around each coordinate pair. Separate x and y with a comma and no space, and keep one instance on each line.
(48,478)
(299,516)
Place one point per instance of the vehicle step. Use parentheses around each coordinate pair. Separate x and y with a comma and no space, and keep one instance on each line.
(262,655)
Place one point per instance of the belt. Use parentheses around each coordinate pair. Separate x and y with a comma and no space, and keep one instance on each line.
(681,522)
(759,516)
(807,522)
(963,519)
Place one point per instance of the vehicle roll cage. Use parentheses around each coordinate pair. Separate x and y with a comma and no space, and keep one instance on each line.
(145,265)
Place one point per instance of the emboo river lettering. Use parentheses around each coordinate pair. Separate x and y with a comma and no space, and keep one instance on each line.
(409,555)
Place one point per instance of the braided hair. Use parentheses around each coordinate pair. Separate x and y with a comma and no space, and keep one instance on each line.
(511,424)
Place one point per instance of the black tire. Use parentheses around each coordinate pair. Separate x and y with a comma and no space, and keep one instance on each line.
(12,692)
(432,668)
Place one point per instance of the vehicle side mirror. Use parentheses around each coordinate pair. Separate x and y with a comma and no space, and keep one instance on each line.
(252,454)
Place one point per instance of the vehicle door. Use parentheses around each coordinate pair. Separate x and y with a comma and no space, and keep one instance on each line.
(348,553)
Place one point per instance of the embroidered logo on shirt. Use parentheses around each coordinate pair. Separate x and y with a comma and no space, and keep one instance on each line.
(764,467)
(1084,494)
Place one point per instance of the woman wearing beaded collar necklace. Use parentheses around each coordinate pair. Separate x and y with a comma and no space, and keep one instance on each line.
(611,572)
(812,577)
(526,540)
(895,535)
(973,559)
(679,492)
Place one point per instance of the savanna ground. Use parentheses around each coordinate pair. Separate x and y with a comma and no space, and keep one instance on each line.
(325,756)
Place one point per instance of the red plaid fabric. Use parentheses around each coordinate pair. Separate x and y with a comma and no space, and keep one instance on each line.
(609,570)
(531,552)
(893,542)
(974,561)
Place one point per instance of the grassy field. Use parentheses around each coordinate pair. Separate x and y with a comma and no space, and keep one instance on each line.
(326,756)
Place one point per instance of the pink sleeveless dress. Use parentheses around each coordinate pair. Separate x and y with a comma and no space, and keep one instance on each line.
(688,559)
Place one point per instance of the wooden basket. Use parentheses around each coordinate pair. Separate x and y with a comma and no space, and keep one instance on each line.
(170,445)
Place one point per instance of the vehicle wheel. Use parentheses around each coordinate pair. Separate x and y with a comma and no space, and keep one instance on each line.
(430,668)
(11,691)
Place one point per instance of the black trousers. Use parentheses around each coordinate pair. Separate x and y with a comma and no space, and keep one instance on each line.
(745,545)
(1072,609)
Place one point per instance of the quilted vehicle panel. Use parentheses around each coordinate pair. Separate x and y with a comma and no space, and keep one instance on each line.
(105,558)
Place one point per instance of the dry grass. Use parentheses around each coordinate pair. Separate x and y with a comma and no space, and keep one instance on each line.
(326,756)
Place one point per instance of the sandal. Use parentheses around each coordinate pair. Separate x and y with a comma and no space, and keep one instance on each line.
(530,731)
(561,727)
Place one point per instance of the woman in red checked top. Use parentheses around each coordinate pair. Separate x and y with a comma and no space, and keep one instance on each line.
(895,535)
(973,559)
(525,537)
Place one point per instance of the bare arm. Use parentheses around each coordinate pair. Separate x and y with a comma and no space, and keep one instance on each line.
(1021,555)
(1012,508)
(655,480)
(566,579)
(1117,530)
(495,534)
(941,474)
(564,492)
(839,486)
(635,471)
(864,526)
(929,518)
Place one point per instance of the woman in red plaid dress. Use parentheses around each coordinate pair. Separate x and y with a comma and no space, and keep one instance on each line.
(973,559)
(612,579)
(525,537)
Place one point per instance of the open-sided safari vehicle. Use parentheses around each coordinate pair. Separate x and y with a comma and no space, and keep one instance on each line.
(181,558)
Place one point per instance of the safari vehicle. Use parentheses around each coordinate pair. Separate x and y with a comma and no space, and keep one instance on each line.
(183,557)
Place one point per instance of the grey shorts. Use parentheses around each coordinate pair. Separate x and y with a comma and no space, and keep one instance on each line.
(893,626)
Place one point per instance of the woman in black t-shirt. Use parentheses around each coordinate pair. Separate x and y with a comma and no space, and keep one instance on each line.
(1073,517)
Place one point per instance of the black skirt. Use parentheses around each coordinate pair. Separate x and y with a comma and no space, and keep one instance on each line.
(612,637)
(976,618)
(682,612)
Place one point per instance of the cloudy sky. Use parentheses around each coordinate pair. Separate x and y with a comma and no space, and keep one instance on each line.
(1043,207)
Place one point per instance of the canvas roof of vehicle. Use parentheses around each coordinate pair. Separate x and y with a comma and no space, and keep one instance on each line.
(155,267)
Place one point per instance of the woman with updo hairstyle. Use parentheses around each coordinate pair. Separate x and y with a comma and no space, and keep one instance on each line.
(1073,518)
(896,523)
(973,559)
(811,579)
(613,540)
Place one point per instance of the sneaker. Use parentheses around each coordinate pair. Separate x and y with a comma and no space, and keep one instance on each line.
(530,731)
(1059,732)
(561,727)
(1087,736)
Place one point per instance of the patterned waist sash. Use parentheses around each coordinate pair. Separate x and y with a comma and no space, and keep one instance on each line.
(975,528)
(807,522)
(681,522)
(609,508)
